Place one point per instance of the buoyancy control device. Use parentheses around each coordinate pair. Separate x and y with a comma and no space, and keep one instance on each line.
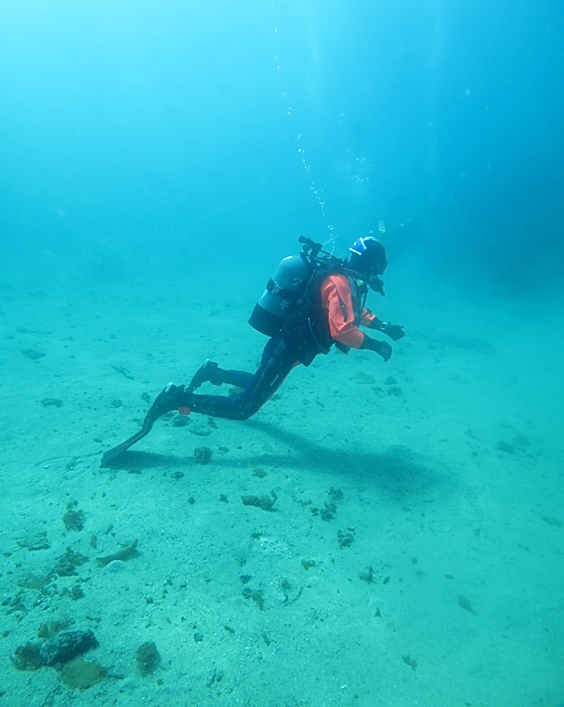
(286,289)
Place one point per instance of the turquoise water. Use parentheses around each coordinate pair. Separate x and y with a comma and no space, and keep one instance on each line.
(157,163)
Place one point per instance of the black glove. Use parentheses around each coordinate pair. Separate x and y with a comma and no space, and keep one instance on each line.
(394,331)
(380,347)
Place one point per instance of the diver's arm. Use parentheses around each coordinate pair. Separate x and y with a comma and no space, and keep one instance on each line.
(336,298)
(382,348)
(371,321)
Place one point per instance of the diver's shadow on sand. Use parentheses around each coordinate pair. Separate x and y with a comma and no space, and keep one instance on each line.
(135,462)
(398,471)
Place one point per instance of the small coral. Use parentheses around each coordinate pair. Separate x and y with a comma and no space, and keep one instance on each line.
(74,520)
(81,674)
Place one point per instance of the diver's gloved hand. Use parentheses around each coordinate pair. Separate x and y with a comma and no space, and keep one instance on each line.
(380,347)
(394,331)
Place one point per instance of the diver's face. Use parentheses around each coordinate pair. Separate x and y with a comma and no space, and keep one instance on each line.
(372,280)
(379,268)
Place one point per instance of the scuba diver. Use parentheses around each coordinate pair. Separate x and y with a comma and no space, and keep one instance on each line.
(312,301)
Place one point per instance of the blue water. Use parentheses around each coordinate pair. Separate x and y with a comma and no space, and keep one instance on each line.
(156,162)
(138,135)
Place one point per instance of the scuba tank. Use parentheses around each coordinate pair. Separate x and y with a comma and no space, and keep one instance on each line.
(282,293)
(285,289)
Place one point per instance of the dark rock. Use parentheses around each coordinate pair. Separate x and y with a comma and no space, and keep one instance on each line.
(66,646)
(51,402)
(148,658)
(203,455)
(264,502)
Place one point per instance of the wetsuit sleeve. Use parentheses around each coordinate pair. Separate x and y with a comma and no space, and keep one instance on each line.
(336,298)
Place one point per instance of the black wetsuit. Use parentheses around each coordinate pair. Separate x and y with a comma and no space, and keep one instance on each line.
(306,333)
(278,359)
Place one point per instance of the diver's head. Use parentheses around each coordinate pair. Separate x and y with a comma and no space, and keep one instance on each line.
(368,258)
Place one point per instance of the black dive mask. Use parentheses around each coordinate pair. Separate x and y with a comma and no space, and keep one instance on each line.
(376,285)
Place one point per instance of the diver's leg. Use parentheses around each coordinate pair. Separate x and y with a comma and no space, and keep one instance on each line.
(202,375)
(210,372)
(241,379)
(277,361)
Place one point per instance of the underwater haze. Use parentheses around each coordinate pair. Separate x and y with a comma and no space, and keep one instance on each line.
(140,140)
(157,161)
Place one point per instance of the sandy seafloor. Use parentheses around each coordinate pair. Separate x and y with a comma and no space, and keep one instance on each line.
(465,540)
